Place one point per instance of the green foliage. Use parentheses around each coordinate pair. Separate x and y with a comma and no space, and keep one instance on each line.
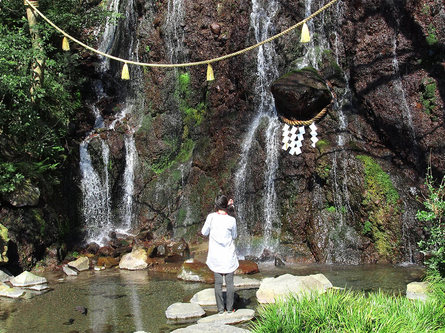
(367,228)
(378,181)
(431,37)
(434,224)
(381,202)
(350,312)
(428,95)
(33,132)
(331,209)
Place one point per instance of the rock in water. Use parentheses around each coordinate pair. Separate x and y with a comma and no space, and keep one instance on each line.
(68,271)
(184,311)
(301,94)
(287,284)
(81,264)
(7,291)
(211,328)
(27,279)
(135,260)
(237,317)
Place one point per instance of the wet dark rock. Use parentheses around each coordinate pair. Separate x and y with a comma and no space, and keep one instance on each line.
(92,248)
(161,250)
(25,195)
(279,262)
(301,94)
(267,255)
(216,28)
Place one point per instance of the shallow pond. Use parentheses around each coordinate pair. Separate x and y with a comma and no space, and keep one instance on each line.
(129,301)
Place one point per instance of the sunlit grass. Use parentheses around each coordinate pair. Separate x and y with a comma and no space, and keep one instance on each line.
(348,311)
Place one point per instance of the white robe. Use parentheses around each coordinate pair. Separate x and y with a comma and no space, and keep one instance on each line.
(221,257)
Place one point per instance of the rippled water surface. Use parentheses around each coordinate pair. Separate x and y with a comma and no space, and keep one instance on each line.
(129,301)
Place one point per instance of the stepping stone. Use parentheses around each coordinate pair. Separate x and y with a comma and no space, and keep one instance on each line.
(417,291)
(27,279)
(181,311)
(241,283)
(80,264)
(210,328)
(205,298)
(239,316)
(38,287)
(68,271)
(7,291)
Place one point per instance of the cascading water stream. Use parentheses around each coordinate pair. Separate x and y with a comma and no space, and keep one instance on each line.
(261,21)
(174,30)
(99,221)
(400,92)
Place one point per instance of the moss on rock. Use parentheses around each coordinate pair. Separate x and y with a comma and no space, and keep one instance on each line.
(381,202)
(4,239)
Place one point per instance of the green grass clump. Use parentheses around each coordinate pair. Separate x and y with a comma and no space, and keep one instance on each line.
(348,311)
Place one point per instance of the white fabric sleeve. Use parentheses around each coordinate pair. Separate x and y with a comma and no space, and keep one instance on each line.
(206,228)
(234,233)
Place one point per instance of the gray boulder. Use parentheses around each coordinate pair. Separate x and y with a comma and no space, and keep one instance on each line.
(179,311)
(135,260)
(210,328)
(68,271)
(239,316)
(7,291)
(80,264)
(417,291)
(27,279)
(287,284)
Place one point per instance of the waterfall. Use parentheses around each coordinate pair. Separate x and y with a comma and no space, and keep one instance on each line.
(261,22)
(108,36)
(95,184)
(96,197)
(128,186)
(400,92)
(174,30)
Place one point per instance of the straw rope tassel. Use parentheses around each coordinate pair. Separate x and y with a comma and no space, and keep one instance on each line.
(125,73)
(65,44)
(196,63)
(305,35)
(210,75)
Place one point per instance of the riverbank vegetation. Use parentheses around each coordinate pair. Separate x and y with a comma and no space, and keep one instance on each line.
(350,311)
(36,110)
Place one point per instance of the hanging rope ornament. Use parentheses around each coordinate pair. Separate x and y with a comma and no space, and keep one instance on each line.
(305,35)
(125,73)
(65,44)
(293,140)
(210,75)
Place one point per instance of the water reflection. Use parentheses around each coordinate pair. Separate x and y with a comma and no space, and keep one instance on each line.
(129,301)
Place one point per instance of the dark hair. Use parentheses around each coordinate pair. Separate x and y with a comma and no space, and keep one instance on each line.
(221,202)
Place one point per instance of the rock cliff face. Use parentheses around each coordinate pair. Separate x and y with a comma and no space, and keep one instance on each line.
(350,200)
(353,198)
